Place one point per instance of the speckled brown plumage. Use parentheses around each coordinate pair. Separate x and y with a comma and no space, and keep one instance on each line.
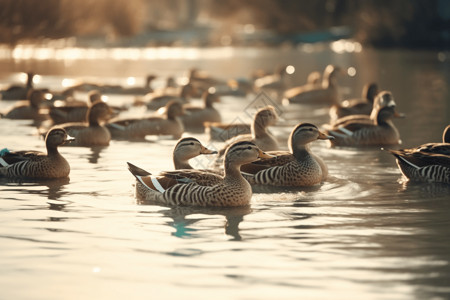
(263,118)
(38,165)
(185,149)
(298,168)
(374,130)
(233,190)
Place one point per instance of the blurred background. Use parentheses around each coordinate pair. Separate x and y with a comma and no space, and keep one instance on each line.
(380,23)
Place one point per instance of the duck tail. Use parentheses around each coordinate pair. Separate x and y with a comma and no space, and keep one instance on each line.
(145,179)
(136,171)
(400,156)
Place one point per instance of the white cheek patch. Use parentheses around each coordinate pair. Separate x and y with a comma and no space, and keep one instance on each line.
(391,103)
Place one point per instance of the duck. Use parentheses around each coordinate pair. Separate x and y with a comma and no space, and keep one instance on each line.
(362,130)
(273,82)
(169,124)
(196,116)
(327,93)
(36,164)
(314,79)
(91,132)
(232,191)
(155,101)
(361,106)
(219,131)
(426,163)
(29,109)
(73,111)
(202,81)
(237,87)
(136,90)
(184,150)
(297,168)
(264,117)
(18,92)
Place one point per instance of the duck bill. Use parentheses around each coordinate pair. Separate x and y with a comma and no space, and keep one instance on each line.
(205,150)
(323,136)
(264,155)
(69,139)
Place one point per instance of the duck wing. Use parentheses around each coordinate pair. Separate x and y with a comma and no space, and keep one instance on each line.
(421,159)
(351,119)
(201,177)
(280,158)
(436,148)
(11,157)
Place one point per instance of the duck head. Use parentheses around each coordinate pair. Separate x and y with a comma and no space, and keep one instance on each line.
(303,134)
(384,108)
(243,152)
(174,109)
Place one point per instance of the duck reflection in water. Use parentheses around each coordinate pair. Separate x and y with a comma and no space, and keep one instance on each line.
(185,228)
(425,190)
(95,154)
(54,191)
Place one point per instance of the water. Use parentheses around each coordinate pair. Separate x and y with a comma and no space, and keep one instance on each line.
(363,234)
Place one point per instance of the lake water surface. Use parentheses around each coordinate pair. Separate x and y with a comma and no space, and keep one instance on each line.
(363,234)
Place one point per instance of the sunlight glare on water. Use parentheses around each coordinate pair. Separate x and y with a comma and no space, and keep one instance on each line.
(363,234)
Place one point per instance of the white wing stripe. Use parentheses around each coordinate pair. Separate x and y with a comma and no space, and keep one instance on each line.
(158,185)
(3,162)
(346,131)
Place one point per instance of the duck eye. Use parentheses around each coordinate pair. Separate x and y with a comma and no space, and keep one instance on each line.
(192,144)
(249,148)
(310,129)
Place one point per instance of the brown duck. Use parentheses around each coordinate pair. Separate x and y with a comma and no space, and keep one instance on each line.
(186,149)
(169,124)
(35,164)
(361,106)
(28,110)
(155,101)
(233,190)
(18,92)
(327,93)
(73,111)
(196,116)
(91,132)
(374,130)
(264,117)
(299,167)
(429,162)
